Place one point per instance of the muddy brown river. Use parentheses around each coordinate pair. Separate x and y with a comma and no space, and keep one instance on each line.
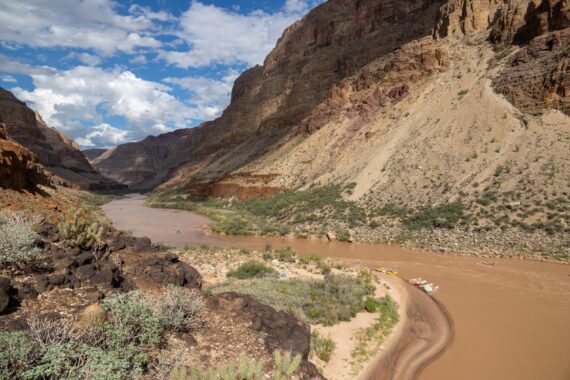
(512,320)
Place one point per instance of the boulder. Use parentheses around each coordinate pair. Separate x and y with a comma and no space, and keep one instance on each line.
(4,293)
(284,331)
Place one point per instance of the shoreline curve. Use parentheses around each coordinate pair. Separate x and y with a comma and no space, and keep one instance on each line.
(426,333)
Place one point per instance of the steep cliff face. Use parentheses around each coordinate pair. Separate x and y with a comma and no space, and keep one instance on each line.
(19,168)
(331,43)
(395,96)
(55,151)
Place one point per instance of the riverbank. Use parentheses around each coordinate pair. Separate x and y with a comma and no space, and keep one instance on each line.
(521,306)
(401,352)
(447,229)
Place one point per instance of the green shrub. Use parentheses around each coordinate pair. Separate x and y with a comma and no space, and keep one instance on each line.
(322,346)
(180,309)
(17,353)
(79,231)
(371,304)
(310,259)
(446,215)
(252,269)
(18,241)
(324,267)
(133,320)
(328,301)
(285,365)
(286,255)
(343,235)
(310,205)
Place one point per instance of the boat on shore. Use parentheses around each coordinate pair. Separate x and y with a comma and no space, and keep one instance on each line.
(423,285)
(387,270)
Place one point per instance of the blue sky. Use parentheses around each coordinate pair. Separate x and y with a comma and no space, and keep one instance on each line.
(108,72)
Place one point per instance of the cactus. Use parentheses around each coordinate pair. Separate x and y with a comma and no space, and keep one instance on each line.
(285,365)
(81,232)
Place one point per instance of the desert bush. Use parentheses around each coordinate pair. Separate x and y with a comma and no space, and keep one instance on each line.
(322,347)
(310,259)
(324,267)
(285,365)
(16,353)
(18,241)
(181,309)
(343,235)
(79,231)
(371,305)
(49,356)
(52,331)
(286,255)
(446,215)
(132,320)
(328,301)
(252,269)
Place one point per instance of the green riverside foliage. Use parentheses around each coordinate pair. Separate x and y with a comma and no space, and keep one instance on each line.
(328,301)
(446,215)
(369,339)
(18,241)
(371,304)
(252,269)
(273,216)
(309,205)
(322,346)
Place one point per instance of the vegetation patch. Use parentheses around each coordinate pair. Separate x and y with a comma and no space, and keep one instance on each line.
(111,341)
(252,269)
(327,302)
(322,347)
(369,339)
(18,240)
(446,215)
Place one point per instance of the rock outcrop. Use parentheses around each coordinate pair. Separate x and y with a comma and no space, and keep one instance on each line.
(284,331)
(538,76)
(19,168)
(55,151)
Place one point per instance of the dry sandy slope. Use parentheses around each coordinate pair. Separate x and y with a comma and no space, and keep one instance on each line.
(443,142)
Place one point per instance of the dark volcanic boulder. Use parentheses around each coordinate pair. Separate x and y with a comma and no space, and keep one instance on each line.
(284,331)
(159,268)
(4,293)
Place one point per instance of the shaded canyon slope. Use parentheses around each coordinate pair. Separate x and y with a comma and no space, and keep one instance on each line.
(417,100)
(56,152)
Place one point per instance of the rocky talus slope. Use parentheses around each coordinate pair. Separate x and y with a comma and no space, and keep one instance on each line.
(55,151)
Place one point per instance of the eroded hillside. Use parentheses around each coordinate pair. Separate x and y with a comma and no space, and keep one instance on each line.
(436,103)
(55,151)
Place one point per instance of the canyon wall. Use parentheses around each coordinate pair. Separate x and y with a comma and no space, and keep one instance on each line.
(338,91)
(55,151)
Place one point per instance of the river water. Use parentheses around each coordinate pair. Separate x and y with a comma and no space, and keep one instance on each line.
(512,319)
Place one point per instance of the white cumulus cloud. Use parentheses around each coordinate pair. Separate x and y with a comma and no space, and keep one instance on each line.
(210,96)
(103,136)
(222,36)
(85,24)
(71,99)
